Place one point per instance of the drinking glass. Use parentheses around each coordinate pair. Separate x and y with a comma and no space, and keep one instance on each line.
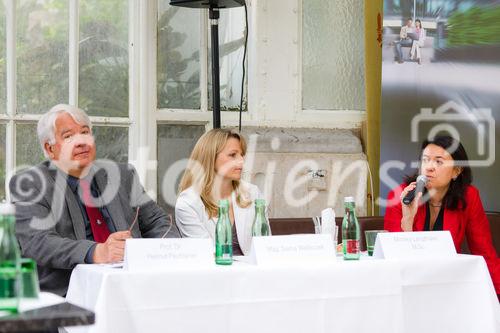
(371,237)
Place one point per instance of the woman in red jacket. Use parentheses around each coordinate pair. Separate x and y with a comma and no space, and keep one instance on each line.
(449,202)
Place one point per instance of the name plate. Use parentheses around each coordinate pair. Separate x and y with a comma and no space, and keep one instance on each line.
(270,250)
(401,245)
(148,254)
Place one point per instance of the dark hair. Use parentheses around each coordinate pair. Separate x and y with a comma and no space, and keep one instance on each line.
(417,20)
(455,196)
(409,19)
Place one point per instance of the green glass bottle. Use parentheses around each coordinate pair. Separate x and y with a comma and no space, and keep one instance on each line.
(260,226)
(10,261)
(350,231)
(223,236)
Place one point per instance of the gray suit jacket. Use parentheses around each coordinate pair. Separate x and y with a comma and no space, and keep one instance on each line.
(50,227)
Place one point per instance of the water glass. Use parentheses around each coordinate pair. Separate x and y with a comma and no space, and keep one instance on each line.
(29,277)
(371,237)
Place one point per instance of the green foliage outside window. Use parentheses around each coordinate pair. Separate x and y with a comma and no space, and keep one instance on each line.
(103,59)
(173,90)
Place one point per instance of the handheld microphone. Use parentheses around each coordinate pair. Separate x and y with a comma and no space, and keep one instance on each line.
(421,181)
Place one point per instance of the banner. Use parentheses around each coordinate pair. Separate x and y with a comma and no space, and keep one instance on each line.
(441,75)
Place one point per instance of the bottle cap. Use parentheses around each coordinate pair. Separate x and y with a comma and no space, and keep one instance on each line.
(7,208)
(260,202)
(349,199)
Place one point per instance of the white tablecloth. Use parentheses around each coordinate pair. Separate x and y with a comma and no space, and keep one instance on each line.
(44,299)
(438,295)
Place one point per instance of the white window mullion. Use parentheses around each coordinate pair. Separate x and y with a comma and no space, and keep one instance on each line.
(145,157)
(298,103)
(133,82)
(149,75)
(10,155)
(110,121)
(34,118)
(73,51)
(10,19)
(10,147)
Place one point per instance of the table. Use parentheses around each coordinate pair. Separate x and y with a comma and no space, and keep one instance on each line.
(433,295)
(47,313)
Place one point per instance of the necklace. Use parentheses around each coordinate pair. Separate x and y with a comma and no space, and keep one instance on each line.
(438,205)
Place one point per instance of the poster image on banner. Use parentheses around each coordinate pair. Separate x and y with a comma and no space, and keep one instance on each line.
(440,70)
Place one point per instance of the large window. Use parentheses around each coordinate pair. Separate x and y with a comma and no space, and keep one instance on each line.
(3,59)
(175,143)
(178,57)
(103,58)
(333,55)
(28,150)
(141,69)
(48,62)
(41,54)
(183,70)
(231,42)
(2,100)
(183,75)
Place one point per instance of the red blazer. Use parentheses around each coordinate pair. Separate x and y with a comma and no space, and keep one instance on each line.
(471,223)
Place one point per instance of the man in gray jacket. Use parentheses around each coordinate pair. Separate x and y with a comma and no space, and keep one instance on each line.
(72,209)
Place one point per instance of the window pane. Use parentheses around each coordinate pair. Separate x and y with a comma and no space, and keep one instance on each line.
(333,55)
(178,66)
(42,54)
(175,142)
(28,150)
(2,162)
(3,60)
(231,42)
(103,67)
(111,143)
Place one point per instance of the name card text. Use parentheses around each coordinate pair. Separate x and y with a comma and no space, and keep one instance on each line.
(271,250)
(400,245)
(159,254)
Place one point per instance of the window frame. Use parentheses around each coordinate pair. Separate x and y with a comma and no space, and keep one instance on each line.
(274,97)
(347,118)
(264,109)
(11,118)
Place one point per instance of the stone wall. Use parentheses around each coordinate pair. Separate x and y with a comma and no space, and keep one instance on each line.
(302,171)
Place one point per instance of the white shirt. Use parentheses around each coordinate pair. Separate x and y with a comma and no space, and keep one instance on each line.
(193,221)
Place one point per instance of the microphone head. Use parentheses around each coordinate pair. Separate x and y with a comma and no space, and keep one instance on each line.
(422,179)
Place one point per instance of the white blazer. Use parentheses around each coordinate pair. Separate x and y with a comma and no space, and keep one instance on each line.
(193,221)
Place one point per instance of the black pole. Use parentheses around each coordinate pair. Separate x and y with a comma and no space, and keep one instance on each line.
(214,30)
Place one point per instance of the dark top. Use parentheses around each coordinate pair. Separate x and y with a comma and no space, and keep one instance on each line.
(438,225)
(236,245)
(74,184)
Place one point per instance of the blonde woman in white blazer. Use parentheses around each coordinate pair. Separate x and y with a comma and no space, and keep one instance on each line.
(214,173)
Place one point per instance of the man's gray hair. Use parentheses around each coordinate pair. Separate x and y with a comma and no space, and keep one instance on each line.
(47,124)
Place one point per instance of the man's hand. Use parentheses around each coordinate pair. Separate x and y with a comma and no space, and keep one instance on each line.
(113,249)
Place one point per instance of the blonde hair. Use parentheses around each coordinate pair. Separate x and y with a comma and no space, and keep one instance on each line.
(200,171)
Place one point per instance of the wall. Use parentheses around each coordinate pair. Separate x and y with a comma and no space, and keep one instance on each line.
(303,171)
